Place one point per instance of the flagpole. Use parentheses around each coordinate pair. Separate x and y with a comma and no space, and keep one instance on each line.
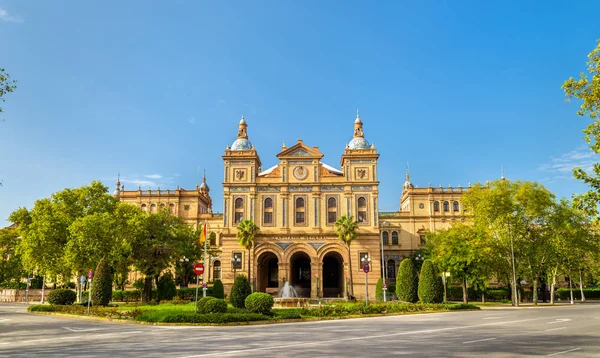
(205,261)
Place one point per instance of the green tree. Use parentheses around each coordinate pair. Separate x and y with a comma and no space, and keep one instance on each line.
(218,290)
(430,284)
(246,232)
(345,228)
(166,289)
(407,282)
(6,85)
(379,289)
(239,291)
(102,285)
(11,269)
(587,89)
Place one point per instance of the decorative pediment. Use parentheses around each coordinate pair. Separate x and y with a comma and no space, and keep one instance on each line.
(301,150)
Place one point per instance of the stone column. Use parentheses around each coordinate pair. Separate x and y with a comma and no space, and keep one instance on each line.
(316,271)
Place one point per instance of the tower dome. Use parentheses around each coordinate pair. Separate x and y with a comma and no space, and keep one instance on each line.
(358,141)
(204,187)
(242,142)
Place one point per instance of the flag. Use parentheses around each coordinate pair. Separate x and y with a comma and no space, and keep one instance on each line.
(202,237)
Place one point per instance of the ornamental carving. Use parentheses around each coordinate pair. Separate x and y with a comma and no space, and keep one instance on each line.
(239,174)
(300,172)
(361,173)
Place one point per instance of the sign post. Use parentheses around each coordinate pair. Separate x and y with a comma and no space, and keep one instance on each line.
(80,292)
(89,290)
(366,269)
(198,270)
(384,286)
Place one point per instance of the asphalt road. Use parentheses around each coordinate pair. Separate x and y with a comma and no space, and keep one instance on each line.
(572,331)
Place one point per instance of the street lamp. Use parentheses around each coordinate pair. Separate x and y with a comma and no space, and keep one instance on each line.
(383,265)
(235,261)
(185,261)
(366,267)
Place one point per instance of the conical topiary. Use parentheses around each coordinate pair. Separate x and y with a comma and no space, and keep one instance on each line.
(239,291)
(379,290)
(407,282)
(166,288)
(102,285)
(430,290)
(218,291)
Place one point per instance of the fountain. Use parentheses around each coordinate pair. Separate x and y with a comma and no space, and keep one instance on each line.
(288,298)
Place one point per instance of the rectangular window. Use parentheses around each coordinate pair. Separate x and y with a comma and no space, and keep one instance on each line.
(316,212)
(268,217)
(361,256)
(331,217)
(299,217)
(362,216)
(237,260)
(284,211)
(239,217)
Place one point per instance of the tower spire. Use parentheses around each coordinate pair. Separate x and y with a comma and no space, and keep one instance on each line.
(407,174)
(117,191)
(502,173)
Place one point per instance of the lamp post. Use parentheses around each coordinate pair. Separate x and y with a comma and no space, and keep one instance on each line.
(366,267)
(235,261)
(185,261)
(419,259)
(383,265)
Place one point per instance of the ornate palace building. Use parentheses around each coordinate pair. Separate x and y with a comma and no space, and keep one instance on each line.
(295,203)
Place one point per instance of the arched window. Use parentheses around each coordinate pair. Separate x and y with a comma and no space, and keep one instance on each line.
(436,206)
(362,210)
(239,210)
(144,208)
(455,206)
(446,206)
(268,211)
(217,270)
(153,208)
(162,206)
(300,210)
(331,210)
(394,237)
(391,269)
(386,238)
(172,208)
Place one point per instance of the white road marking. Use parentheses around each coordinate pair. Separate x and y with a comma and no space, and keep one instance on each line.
(557,353)
(560,320)
(479,340)
(493,317)
(554,329)
(82,329)
(361,338)
(4,319)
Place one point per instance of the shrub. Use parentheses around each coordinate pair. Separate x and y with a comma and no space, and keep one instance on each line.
(431,288)
(202,301)
(292,313)
(218,290)
(239,291)
(102,285)
(214,318)
(589,293)
(166,289)
(259,302)
(210,304)
(407,282)
(62,296)
(379,290)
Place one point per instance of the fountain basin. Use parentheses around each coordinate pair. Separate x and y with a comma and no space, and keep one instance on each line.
(292,302)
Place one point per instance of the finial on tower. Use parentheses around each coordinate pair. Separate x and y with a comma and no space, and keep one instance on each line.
(502,173)
(117,191)
(407,175)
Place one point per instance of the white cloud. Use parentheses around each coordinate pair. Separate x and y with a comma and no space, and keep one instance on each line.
(191,120)
(5,16)
(139,182)
(562,166)
(153,176)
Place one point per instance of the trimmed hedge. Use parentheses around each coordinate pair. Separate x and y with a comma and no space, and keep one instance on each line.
(239,291)
(211,304)
(431,289)
(287,313)
(214,318)
(218,290)
(589,293)
(110,312)
(102,285)
(62,296)
(259,302)
(342,310)
(491,294)
(407,282)
(379,290)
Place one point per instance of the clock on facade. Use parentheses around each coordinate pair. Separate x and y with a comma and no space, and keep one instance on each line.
(300,173)
(421,206)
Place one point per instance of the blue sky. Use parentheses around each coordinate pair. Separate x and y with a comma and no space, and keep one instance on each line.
(155,89)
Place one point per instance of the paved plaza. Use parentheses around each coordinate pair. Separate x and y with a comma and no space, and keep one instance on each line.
(572,331)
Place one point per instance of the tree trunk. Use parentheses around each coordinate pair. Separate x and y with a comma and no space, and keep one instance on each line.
(351,280)
(248,259)
(581,287)
(534,295)
(571,288)
(482,296)
(147,291)
(465,291)
(553,285)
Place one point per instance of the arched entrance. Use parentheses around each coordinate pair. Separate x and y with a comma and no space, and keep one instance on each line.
(333,275)
(268,271)
(300,275)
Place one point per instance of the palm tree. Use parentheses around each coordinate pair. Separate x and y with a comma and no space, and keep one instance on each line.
(345,228)
(246,231)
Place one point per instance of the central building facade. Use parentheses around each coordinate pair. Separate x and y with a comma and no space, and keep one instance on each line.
(296,203)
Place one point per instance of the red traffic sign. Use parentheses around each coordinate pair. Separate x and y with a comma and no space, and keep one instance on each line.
(198,268)
(90,274)
(366,268)
(384,285)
